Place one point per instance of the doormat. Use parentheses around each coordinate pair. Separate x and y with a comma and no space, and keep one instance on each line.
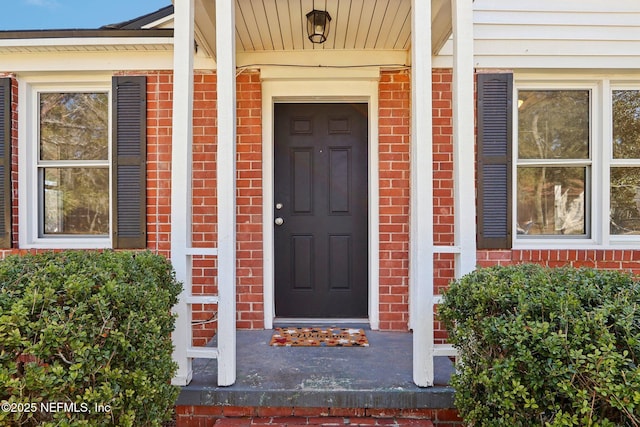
(319,337)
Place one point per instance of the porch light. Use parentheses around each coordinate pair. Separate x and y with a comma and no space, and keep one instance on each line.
(318,25)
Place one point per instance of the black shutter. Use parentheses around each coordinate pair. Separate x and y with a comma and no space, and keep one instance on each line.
(5,162)
(495,93)
(129,162)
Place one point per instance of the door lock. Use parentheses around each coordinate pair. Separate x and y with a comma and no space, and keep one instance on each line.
(279,221)
(278,206)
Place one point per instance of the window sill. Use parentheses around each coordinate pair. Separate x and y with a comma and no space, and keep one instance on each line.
(587,244)
(68,243)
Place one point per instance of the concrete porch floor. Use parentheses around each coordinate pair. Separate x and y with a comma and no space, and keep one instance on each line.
(378,376)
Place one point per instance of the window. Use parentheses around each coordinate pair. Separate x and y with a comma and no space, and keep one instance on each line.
(558,162)
(73,164)
(554,165)
(561,154)
(625,163)
(82,163)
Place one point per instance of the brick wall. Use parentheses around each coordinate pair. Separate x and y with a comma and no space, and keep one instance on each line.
(250,302)
(612,259)
(394,179)
(443,212)
(394,138)
(159,134)
(204,200)
(443,188)
(206,416)
(394,112)
(159,112)
(159,143)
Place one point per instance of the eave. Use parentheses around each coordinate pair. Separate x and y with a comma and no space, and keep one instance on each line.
(37,41)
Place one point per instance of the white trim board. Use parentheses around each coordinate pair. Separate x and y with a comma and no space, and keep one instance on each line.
(330,87)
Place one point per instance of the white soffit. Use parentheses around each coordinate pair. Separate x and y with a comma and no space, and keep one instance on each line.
(280,25)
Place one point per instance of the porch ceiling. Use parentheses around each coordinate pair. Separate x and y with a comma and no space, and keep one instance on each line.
(280,25)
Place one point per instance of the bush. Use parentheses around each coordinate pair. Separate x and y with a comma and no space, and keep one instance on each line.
(85,339)
(546,347)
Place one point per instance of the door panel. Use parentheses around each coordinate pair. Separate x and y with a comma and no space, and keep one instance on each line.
(320,178)
(302,263)
(302,165)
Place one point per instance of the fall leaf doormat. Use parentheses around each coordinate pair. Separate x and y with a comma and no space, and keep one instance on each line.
(319,337)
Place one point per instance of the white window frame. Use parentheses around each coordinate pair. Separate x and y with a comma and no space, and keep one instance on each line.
(28,152)
(601,157)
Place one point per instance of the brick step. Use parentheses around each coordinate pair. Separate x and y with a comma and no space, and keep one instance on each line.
(224,416)
(321,421)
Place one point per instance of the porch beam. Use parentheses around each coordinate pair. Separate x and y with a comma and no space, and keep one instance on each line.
(421,220)
(181,155)
(316,59)
(226,187)
(463,137)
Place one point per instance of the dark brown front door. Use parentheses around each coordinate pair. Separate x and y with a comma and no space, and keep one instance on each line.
(321,210)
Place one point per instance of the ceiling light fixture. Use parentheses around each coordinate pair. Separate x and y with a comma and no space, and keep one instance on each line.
(318,25)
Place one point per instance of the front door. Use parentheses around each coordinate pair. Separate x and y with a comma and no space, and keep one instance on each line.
(321,210)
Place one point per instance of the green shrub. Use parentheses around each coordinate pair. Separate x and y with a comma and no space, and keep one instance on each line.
(546,347)
(85,339)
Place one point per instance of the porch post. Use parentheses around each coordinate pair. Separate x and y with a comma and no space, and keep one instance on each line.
(226,187)
(421,227)
(181,153)
(463,136)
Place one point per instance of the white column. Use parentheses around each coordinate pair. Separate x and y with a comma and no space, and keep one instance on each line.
(226,181)
(181,153)
(421,227)
(463,136)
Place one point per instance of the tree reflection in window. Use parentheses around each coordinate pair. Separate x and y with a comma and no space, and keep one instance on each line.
(625,171)
(553,161)
(73,165)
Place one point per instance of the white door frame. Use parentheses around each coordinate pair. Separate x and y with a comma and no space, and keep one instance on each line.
(323,86)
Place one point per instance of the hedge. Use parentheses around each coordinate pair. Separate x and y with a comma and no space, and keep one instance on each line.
(545,347)
(85,339)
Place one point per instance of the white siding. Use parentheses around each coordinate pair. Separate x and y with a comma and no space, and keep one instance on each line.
(594,34)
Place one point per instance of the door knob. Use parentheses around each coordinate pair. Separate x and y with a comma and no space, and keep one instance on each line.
(279,221)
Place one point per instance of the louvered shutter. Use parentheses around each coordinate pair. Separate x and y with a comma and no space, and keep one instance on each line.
(495,93)
(5,162)
(129,162)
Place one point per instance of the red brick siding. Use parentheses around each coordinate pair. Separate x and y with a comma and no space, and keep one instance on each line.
(159,116)
(249,304)
(206,416)
(159,134)
(394,146)
(443,212)
(394,177)
(443,233)
(443,184)
(204,202)
(250,301)
(613,259)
